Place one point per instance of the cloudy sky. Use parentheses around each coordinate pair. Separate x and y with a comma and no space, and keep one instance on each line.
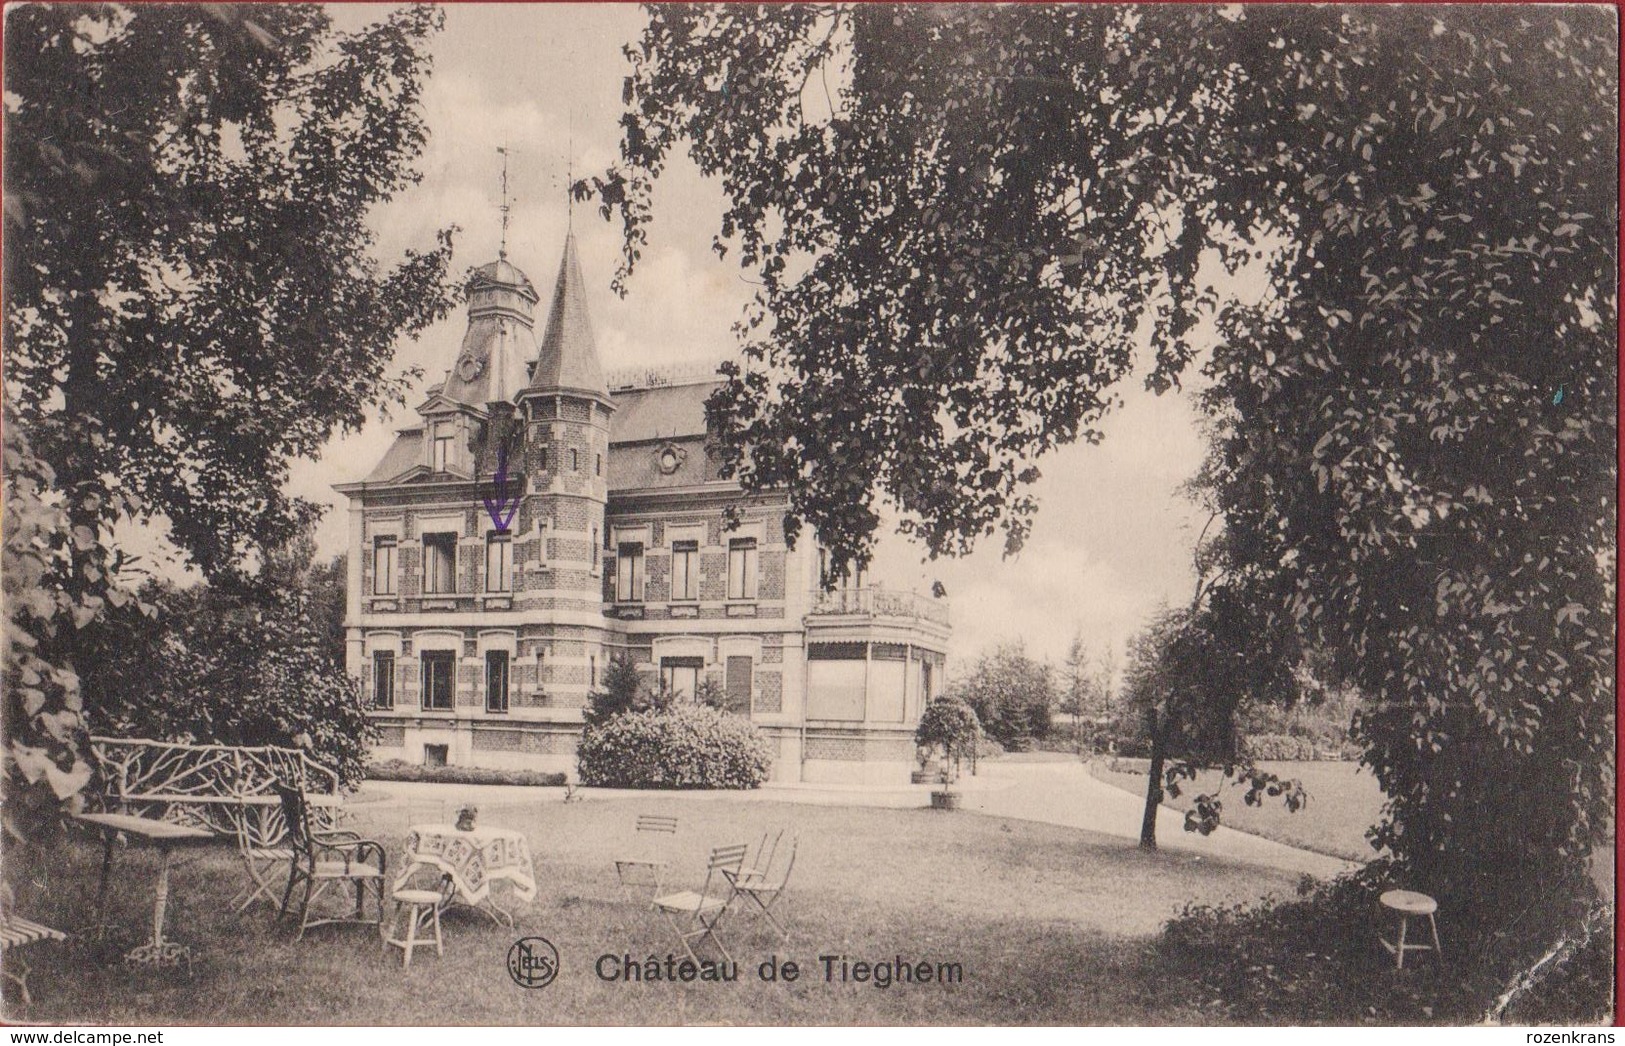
(1112,538)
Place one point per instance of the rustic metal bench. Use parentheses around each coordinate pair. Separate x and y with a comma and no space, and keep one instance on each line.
(225,789)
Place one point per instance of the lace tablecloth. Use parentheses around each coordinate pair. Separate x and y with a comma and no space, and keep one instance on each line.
(473,860)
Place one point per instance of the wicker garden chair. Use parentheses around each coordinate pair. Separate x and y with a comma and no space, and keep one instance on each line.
(321,859)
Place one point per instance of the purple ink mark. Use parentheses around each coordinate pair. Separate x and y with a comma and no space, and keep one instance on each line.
(501,511)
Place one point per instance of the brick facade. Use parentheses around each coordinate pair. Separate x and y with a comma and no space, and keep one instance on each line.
(586,456)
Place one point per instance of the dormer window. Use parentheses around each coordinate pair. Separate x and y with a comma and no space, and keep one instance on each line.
(440,459)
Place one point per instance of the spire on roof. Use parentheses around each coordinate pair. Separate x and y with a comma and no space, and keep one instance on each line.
(502,251)
(568,359)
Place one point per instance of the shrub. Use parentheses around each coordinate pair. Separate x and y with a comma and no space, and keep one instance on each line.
(400,770)
(685,746)
(1277,746)
(230,663)
(1271,746)
(1314,960)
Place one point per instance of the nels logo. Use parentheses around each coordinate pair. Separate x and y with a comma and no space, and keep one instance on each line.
(533,962)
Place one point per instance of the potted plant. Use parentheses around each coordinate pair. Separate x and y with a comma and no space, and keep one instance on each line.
(951,726)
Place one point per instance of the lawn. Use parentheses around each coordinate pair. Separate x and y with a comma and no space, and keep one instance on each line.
(1050,925)
(1343,802)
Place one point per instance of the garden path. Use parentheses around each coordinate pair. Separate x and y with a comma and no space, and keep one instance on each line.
(1065,793)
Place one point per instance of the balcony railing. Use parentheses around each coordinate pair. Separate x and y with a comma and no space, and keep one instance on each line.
(881,602)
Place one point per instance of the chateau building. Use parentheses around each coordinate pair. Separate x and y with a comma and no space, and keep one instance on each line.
(541,517)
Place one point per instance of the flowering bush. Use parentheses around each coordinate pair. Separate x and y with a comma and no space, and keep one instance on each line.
(684,746)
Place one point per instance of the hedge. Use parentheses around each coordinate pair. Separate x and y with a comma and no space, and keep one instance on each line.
(400,770)
(1291,747)
(684,746)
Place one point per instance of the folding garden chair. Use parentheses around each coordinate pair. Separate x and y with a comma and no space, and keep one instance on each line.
(654,833)
(321,859)
(759,865)
(764,884)
(696,915)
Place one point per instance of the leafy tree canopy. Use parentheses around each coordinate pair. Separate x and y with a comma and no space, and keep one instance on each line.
(191,300)
(1011,692)
(225,663)
(961,216)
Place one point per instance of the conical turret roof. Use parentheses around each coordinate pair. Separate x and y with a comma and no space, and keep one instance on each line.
(568,359)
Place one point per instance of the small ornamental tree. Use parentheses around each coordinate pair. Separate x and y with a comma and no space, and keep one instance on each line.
(950,725)
(622,691)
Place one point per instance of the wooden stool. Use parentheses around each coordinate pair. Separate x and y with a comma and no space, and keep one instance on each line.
(422,906)
(1408,903)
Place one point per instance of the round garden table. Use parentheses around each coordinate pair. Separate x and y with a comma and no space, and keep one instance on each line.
(470,863)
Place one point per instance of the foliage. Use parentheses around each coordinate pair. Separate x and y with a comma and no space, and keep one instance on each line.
(1414,424)
(324,605)
(401,770)
(232,664)
(1191,675)
(1283,746)
(950,725)
(1085,691)
(188,267)
(1011,693)
(1321,715)
(43,698)
(683,746)
(711,695)
(1418,439)
(620,691)
(1313,960)
(191,299)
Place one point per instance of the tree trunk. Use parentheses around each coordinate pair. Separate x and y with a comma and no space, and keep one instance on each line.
(1153,786)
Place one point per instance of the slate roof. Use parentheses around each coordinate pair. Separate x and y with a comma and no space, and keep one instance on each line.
(569,354)
(659,413)
(403,455)
(500,346)
(637,467)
